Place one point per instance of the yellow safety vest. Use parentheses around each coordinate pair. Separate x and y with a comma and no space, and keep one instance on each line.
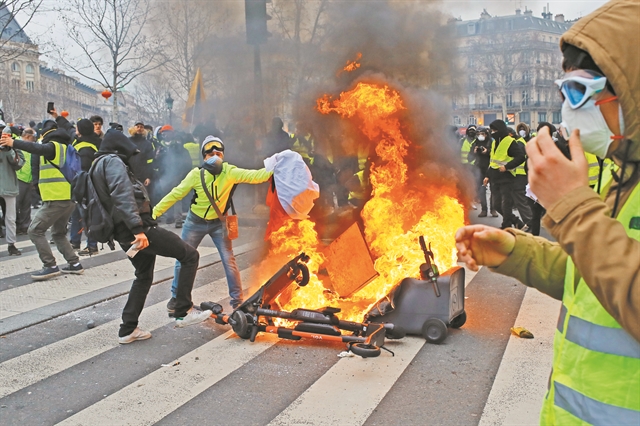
(302,149)
(358,195)
(499,156)
(465,150)
(24,173)
(79,145)
(520,169)
(596,363)
(52,183)
(594,169)
(194,153)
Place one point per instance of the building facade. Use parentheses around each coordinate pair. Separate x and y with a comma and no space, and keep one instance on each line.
(509,64)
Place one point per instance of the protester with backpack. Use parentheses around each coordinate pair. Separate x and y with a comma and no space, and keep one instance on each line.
(55,189)
(127,200)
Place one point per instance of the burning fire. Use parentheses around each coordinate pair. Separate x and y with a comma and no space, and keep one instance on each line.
(353,65)
(394,218)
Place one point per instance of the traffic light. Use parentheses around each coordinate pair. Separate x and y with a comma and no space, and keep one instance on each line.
(256,14)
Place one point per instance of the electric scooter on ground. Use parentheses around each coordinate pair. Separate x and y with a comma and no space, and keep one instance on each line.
(255,315)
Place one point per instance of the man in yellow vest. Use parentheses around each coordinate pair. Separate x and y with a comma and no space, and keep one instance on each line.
(506,156)
(25,186)
(594,268)
(56,196)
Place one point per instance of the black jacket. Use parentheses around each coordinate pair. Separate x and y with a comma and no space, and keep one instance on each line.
(118,189)
(87,154)
(481,158)
(142,163)
(515,151)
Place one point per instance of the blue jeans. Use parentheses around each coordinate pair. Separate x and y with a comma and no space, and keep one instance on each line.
(193,231)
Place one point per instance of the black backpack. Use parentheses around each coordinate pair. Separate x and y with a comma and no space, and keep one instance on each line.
(97,220)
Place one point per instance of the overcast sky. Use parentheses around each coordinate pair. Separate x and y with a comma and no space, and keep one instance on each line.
(471,9)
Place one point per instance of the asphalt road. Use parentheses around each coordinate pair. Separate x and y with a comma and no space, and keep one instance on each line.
(54,369)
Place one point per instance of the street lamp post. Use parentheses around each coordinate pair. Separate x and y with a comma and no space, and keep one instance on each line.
(169,102)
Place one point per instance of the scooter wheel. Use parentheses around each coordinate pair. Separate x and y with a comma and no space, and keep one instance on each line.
(434,330)
(364,350)
(459,321)
(241,326)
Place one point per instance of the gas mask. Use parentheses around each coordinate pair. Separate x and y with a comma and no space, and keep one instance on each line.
(594,132)
(213,165)
(522,133)
(481,138)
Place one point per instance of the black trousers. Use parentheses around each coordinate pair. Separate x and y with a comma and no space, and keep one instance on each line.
(537,211)
(161,243)
(23,206)
(520,199)
(481,189)
(503,200)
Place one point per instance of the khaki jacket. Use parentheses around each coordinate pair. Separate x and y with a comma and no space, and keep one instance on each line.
(603,254)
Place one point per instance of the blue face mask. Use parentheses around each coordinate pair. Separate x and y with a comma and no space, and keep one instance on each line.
(213,165)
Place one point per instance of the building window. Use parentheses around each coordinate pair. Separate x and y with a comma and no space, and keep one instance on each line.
(510,99)
(470,61)
(557,117)
(456,120)
(472,120)
(31,86)
(29,69)
(471,28)
(526,76)
(15,67)
(472,100)
(508,77)
(542,116)
(490,100)
(525,97)
(525,117)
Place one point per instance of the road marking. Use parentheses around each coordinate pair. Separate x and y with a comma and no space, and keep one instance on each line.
(161,392)
(521,382)
(352,388)
(25,298)
(25,370)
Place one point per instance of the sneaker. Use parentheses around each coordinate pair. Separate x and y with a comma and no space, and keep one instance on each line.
(483,213)
(171,305)
(136,334)
(194,316)
(88,251)
(178,224)
(53,242)
(73,269)
(46,273)
(13,250)
(494,213)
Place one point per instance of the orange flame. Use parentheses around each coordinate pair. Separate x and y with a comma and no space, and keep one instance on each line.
(394,218)
(353,65)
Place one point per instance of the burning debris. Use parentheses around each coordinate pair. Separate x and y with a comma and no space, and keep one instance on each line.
(404,204)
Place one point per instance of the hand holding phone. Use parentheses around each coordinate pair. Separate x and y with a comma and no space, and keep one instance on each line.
(50,107)
(133,250)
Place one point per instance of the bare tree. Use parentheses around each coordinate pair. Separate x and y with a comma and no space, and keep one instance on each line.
(109,35)
(182,27)
(150,96)
(502,64)
(13,40)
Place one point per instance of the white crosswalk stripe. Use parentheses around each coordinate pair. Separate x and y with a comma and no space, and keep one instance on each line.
(352,387)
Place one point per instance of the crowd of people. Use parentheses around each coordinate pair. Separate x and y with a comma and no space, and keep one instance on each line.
(583,177)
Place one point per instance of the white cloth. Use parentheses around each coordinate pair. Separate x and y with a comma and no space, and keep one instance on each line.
(295,186)
(530,194)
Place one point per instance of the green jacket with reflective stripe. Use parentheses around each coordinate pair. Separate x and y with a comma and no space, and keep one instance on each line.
(596,363)
(499,155)
(465,149)
(52,183)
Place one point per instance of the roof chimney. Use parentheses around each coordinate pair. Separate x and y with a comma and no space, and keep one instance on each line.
(518,11)
(560,17)
(485,14)
(528,12)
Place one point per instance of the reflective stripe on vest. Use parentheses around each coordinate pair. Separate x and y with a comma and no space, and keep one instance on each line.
(596,363)
(520,170)
(499,156)
(52,183)
(80,145)
(594,168)
(358,195)
(465,150)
